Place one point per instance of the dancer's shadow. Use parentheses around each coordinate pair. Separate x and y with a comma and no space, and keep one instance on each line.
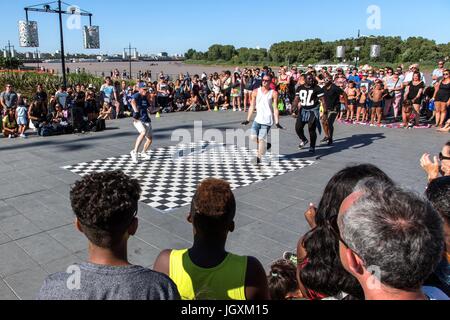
(357,141)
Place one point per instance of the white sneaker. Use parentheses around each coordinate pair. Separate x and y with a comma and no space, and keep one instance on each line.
(23,136)
(145,156)
(10,136)
(134,156)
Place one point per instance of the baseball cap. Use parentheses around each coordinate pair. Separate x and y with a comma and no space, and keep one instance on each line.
(142,85)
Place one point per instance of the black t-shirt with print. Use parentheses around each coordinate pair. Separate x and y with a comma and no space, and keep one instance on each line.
(309,96)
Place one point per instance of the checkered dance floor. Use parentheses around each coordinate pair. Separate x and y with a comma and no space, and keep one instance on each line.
(170,178)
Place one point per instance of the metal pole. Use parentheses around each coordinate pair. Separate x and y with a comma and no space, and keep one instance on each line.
(63,58)
(131,77)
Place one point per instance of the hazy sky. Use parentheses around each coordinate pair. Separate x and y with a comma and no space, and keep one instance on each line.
(176,25)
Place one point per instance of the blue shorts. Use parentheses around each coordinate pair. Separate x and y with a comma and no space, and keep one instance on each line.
(22,121)
(261,131)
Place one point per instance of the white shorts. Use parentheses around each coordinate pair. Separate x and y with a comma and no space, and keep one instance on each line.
(142,127)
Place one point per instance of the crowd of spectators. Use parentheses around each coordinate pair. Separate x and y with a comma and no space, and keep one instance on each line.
(370,96)
(370,239)
(78,109)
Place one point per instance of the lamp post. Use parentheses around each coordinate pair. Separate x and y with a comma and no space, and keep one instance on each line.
(38,58)
(129,57)
(9,54)
(58,10)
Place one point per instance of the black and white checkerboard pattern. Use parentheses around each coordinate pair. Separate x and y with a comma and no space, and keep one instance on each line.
(170,178)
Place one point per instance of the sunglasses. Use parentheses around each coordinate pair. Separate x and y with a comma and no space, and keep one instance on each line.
(442,157)
(266,80)
(446,74)
(333,224)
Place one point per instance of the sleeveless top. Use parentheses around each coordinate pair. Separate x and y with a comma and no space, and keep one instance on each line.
(223,282)
(264,105)
(443,93)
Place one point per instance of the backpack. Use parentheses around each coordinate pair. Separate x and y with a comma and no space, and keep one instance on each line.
(46,131)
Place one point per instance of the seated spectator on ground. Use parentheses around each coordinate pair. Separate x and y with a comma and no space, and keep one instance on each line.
(105,205)
(37,114)
(106,112)
(207,271)
(282,281)
(438,193)
(440,164)
(90,107)
(320,272)
(9,124)
(391,241)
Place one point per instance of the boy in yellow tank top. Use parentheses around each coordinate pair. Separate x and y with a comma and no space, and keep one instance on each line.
(207,271)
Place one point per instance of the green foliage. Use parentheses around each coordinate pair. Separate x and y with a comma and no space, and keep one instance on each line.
(9,63)
(26,82)
(394,50)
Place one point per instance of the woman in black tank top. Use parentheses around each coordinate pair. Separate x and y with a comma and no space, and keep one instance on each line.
(414,93)
(442,98)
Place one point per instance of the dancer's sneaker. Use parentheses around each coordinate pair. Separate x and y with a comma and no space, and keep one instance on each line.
(257,161)
(303,144)
(330,142)
(312,151)
(269,146)
(324,140)
(134,157)
(145,156)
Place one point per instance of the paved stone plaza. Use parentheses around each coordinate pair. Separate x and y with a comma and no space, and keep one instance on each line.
(37,236)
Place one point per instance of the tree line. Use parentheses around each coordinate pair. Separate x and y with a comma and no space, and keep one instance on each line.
(311,51)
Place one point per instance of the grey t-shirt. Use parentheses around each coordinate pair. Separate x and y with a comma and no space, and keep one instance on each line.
(98,282)
(9,98)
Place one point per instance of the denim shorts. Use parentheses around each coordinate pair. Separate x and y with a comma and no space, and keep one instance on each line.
(261,131)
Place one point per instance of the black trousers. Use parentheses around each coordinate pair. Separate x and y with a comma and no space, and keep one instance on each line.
(312,127)
(331,119)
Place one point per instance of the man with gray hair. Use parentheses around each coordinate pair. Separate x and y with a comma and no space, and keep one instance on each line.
(391,241)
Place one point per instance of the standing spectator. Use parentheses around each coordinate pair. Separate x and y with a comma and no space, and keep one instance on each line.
(217,87)
(377,95)
(22,116)
(105,205)
(409,76)
(395,87)
(226,89)
(401,75)
(79,99)
(414,93)
(354,77)
(10,127)
(248,82)
(438,74)
(442,98)
(207,270)
(391,241)
(438,192)
(8,99)
(61,96)
(109,94)
(163,93)
(236,91)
